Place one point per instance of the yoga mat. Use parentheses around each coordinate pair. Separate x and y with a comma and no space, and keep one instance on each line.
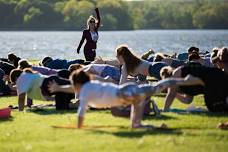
(106,127)
(85,127)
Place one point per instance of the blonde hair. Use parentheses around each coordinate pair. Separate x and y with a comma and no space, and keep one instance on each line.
(91,17)
(166,72)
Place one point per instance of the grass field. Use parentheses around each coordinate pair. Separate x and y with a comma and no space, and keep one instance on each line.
(32,131)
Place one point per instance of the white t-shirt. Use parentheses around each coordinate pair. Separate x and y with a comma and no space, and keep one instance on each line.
(98,95)
(94,68)
(142,69)
(30,83)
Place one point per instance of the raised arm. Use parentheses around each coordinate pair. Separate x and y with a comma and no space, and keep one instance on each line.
(98,17)
(81,42)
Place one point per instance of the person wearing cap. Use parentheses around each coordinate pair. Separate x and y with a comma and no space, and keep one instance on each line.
(58,63)
(23,63)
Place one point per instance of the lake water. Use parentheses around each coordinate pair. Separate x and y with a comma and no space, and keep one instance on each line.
(36,45)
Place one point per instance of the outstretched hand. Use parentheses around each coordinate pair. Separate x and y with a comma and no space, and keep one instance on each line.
(99,60)
(53,86)
(78,51)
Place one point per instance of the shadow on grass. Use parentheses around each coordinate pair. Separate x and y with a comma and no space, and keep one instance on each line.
(137,133)
(204,114)
(212,114)
(161,117)
(184,112)
(50,111)
(6,119)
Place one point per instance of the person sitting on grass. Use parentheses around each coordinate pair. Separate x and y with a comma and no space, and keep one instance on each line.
(35,86)
(106,95)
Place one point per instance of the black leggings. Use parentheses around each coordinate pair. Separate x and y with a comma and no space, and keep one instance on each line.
(216,105)
(62,100)
(90,55)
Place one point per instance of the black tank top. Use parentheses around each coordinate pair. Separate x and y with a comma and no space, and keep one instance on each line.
(215,80)
(193,69)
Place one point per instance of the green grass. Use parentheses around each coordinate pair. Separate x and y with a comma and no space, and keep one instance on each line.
(32,131)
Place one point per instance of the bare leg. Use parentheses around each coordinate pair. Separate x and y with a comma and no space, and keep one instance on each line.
(137,115)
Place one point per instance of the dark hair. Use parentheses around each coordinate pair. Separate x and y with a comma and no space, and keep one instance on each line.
(166,72)
(12,57)
(46,60)
(74,67)
(193,56)
(64,73)
(158,57)
(24,64)
(79,77)
(191,49)
(14,74)
(130,59)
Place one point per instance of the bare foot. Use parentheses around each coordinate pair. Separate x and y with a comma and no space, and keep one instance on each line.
(223,126)
(163,126)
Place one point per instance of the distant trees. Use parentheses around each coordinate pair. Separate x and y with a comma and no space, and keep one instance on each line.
(116,14)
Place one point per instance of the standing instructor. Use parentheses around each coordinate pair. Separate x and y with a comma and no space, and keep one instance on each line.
(91,36)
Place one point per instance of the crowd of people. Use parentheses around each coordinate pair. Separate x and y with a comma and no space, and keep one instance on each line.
(119,82)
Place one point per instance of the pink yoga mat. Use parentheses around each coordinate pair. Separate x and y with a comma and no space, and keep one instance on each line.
(5,113)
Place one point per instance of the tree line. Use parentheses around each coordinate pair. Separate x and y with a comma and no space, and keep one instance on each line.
(116,14)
